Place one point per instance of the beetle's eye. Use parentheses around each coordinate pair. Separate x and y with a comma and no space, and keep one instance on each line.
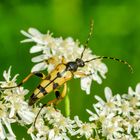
(80,62)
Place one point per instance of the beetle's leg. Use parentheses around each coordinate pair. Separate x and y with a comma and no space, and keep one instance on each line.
(51,60)
(55,61)
(81,74)
(38,74)
(59,97)
(63,60)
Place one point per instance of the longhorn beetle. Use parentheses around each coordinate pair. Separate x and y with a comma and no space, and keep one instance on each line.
(59,77)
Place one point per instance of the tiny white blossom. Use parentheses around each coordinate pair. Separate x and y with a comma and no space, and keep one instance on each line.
(85,129)
(8,81)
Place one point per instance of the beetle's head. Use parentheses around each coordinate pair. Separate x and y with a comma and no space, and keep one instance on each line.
(80,62)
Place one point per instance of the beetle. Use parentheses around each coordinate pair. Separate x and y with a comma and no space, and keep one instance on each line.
(58,77)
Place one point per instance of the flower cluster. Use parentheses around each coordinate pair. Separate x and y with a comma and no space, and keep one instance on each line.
(53,49)
(13,106)
(119,115)
(116,118)
(50,124)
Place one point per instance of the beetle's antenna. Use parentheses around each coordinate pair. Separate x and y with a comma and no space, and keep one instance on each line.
(89,36)
(116,59)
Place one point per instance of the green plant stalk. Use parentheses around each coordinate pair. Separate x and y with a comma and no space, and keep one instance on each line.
(67,104)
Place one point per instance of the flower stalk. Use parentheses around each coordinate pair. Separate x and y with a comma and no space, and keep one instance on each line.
(67,104)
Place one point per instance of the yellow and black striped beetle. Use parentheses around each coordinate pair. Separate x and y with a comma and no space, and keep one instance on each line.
(59,77)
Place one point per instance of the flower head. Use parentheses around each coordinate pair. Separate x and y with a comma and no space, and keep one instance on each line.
(52,50)
(13,105)
(118,115)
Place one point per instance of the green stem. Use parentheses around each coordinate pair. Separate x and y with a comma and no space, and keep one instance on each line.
(67,104)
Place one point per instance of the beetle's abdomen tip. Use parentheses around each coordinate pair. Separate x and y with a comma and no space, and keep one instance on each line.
(32,99)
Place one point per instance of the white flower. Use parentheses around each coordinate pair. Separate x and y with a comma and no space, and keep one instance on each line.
(108,106)
(8,82)
(118,116)
(53,49)
(35,36)
(14,97)
(57,126)
(13,107)
(84,129)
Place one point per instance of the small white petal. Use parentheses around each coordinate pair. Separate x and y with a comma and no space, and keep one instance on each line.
(26,40)
(57,138)
(99,99)
(78,122)
(130,91)
(9,137)
(8,127)
(39,67)
(12,112)
(110,116)
(2,132)
(138,88)
(96,109)
(26,34)
(85,84)
(34,32)
(33,136)
(93,115)
(6,74)
(36,48)
(103,69)
(92,119)
(89,111)
(118,97)
(97,78)
(15,78)
(108,93)
(28,118)
(38,58)
(51,134)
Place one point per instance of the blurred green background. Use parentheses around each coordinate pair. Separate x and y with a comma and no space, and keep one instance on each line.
(116,34)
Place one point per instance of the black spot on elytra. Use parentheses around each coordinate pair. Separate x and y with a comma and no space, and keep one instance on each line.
(42,90)
(33,99)
(59,75)
(57,94)
(55,85)
(39,74)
